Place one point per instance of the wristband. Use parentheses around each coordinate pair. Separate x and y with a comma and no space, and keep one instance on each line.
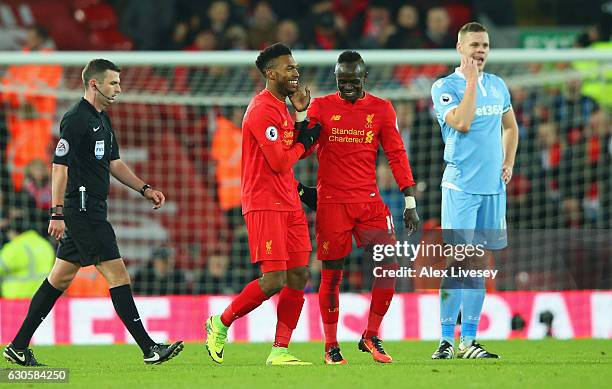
(300,116)
(57,217)
(59,209)
(144,188)
(410,202)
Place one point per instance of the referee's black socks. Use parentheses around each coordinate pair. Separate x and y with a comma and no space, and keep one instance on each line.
(126,309)
(40,306)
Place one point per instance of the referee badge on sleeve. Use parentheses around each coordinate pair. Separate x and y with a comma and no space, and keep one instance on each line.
(272,133)
(62,148)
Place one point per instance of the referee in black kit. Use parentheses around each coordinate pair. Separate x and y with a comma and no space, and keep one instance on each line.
(85,155)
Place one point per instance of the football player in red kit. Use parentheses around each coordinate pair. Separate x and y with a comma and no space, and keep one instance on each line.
(353,125)
(278,231)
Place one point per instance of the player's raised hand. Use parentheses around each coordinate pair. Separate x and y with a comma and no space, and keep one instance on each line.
(155,197)
(301,98)
(468,67)
(411,220)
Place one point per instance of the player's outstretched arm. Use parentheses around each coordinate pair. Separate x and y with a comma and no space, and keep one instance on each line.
(124,174)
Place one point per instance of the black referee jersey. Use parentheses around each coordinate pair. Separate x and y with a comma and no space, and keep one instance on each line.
(87,145)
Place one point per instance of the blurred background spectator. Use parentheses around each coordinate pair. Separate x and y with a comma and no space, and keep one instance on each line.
(216,277)
(437,31)
(261,26)
(38,185)
(159,276)
(408,34)
(288,33)
(25,261)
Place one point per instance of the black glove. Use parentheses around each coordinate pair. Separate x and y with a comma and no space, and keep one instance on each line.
(308,136)
(301,125)
(308,195)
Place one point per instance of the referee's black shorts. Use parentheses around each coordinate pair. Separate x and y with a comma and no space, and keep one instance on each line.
(89,238)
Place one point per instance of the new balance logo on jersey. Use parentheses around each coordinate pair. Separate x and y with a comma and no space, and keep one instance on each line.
(488,110)
(335,118)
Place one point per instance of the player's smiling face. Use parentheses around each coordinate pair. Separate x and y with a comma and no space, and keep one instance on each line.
(285,74)
(350,78)
(475,45)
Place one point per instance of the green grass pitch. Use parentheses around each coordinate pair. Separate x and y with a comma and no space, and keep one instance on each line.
(525,364)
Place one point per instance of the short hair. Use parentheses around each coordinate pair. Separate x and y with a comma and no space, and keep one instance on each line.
(95,68)
(349,56)
(471,27)
(269,54)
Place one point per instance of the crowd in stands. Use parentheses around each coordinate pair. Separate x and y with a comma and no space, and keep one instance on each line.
(301,24)
(228,25)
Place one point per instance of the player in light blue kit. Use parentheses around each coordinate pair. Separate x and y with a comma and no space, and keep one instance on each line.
(480,133)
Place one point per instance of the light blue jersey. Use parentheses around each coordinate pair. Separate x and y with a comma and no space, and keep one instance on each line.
(473,159)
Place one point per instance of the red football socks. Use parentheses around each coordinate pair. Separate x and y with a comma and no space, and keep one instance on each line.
(329,294)
(381,300)
(290,303)
(250,298)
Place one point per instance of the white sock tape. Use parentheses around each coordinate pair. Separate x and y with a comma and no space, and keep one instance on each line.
(410,202)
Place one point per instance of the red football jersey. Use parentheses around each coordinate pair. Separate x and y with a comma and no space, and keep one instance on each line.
(268,156)
(348,145)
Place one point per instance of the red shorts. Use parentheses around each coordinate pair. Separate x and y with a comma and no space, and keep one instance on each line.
(276,238)
(369,223)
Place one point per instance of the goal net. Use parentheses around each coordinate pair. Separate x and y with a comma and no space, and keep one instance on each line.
(178,125)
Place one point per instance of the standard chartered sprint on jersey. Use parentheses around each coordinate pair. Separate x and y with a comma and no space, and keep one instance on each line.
(458,252)
(350,135)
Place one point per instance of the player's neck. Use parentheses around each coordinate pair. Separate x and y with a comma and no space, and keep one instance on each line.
(96,103)
(279,96)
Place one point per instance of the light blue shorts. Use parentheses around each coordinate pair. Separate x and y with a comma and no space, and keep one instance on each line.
(474,219)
